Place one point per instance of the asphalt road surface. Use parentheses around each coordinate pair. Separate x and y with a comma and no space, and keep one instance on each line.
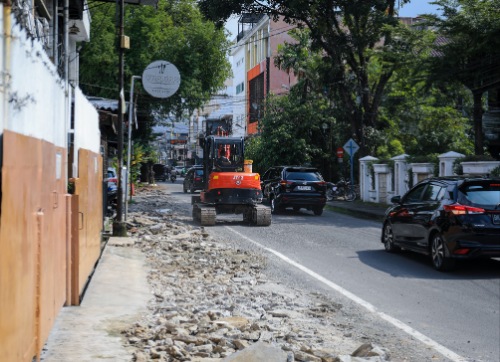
(458,313)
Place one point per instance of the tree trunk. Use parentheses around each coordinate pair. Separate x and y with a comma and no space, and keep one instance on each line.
(478,123)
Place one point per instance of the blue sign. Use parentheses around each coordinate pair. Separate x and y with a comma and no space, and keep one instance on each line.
(351,147)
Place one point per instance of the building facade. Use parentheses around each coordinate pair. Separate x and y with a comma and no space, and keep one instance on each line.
(254,73)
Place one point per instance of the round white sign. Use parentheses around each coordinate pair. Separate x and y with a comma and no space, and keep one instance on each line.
(161,79)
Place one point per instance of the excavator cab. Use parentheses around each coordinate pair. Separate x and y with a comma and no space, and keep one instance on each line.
(225,154)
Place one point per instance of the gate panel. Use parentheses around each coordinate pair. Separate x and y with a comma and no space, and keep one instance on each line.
(21,184)
(53,242)
(32,244)
(89,190)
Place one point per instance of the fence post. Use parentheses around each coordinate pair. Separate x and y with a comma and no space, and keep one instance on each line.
(365,178)
(446,161)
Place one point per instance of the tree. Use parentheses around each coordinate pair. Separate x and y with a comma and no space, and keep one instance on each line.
(349,33)
(291,131)
(175,32)
(469,51)
(414,117)
(418,116)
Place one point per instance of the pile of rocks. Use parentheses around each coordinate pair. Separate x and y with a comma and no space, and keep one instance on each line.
(214,302)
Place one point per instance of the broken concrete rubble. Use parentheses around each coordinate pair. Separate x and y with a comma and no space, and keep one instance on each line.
(213,302)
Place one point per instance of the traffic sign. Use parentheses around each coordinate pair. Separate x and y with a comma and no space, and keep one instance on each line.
(340,152)
(351,147)
(161,79)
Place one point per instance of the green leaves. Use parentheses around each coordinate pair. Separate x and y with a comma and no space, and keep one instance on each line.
(175,32)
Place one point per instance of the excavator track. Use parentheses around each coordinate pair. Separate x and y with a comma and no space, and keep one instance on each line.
(204,214)
(261,215)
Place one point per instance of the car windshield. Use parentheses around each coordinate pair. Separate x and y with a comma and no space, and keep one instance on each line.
(199,172)
(484,194)
(303,176)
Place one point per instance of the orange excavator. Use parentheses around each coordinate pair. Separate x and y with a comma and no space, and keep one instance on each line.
(230,187)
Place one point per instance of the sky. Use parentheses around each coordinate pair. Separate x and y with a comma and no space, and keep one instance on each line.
(414,8)
(417,7)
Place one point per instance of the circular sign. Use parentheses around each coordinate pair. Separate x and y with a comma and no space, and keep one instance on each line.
(340,152)
(161,79)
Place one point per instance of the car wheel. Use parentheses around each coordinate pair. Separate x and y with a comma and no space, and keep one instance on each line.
(184,189)
(318,210)
(192,189)
(388,239)
(440,261)
(274,206)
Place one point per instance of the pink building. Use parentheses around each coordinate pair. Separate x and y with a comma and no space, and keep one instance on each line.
(257,42)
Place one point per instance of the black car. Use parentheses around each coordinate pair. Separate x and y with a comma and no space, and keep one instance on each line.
(160,172)
(294,186)
(193,180)
(448,218)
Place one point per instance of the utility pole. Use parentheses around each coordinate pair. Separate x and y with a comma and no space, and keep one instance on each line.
(119,227)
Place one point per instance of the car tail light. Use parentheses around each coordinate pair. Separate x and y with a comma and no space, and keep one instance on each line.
(461,251)
(458,209)
(197,178)
(285,183)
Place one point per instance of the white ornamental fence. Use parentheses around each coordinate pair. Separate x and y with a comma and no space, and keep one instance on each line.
(379,182)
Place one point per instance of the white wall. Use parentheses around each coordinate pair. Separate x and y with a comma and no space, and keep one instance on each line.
(3,73)
(36,92)
(87,133)
(33,102)
(239,99)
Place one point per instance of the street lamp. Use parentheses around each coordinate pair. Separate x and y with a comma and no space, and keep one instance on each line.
(131,113)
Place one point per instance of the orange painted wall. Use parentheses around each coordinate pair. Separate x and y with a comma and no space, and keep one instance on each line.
(32,245)
(35,236)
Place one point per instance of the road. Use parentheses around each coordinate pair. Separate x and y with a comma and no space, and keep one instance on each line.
(458,312)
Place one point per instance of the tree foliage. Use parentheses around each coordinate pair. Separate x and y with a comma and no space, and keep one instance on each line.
(469,51)
(175,32)
(348,33)
(291,132)
(415,117)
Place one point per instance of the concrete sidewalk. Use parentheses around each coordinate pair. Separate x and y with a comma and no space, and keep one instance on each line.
(116,296)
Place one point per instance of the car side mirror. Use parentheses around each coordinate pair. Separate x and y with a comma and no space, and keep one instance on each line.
(396,199)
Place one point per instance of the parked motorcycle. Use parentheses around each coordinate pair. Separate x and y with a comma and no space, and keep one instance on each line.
(111,199)
(342,190)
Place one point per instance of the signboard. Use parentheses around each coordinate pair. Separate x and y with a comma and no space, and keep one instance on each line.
(351,147)
(340,152)
(161,79)
(178,142)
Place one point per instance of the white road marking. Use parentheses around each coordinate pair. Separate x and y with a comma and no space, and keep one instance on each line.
(395,322)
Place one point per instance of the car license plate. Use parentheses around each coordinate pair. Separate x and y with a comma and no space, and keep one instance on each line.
(304,188)
(496,218)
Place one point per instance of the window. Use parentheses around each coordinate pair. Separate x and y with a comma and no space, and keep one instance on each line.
(415,194)
(256,97)
(240,87)
(306,176)
(485,194)
(433,192)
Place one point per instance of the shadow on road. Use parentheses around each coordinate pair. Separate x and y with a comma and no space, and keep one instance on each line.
(407,264)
